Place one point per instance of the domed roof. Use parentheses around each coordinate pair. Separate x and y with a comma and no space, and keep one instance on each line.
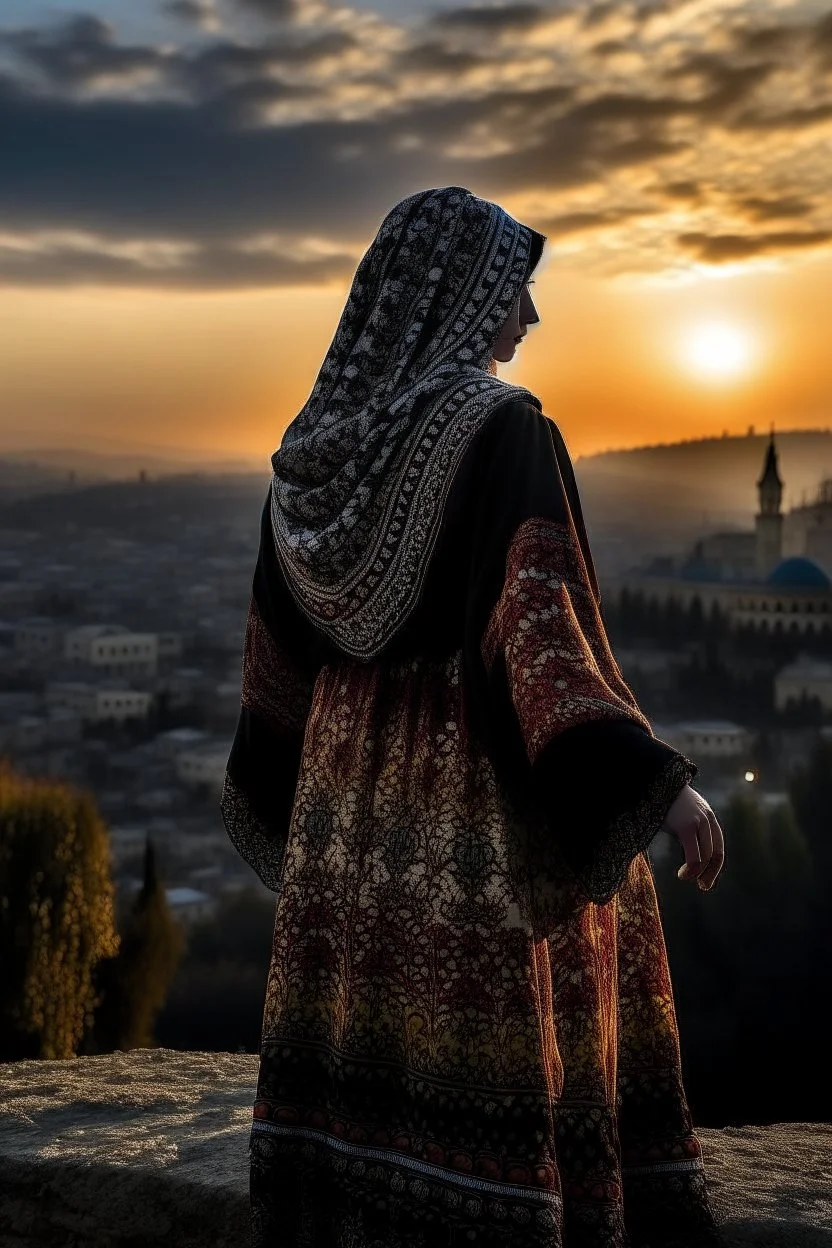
(799,573)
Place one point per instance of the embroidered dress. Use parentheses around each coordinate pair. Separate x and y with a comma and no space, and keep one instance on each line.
(469,1034)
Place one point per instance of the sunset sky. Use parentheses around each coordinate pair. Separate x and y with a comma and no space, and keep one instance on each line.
(186,188)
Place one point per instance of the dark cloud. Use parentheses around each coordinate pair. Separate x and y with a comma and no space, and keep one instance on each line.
(434,57)
(726,85)
(687,191)
(594,15)
(224,66)
(274,10)
(771,120)
(204,159)
(723,248)
(245,104)
(572,223)
(568,223)
(198,12)
(161,170)
(492,19)
(769,40)
(80,52)
(610,47)
(772,208)
(208,267)
(170,170)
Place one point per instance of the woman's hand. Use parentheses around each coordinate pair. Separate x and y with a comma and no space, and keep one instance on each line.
(691,820)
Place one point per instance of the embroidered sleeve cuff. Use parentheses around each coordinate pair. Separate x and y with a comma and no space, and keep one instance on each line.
(631,832)
(605,788)
(250,836)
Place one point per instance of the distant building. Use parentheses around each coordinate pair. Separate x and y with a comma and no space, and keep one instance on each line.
(706,738)
(203,766)
(36,732)
(37,638)
(112,649)
(804,678)
(746,573)
(807,529)
(96,703)
(768,523)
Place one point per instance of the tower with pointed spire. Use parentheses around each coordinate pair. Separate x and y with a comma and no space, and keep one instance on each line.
(768,521)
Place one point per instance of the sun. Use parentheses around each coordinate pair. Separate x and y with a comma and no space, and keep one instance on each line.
(718,351)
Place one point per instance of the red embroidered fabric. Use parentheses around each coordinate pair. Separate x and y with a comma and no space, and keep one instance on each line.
(560,668)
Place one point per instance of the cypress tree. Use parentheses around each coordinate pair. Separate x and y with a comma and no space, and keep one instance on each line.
(135,984)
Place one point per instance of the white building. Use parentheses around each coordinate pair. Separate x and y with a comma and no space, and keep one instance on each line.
(113,649)
(706,738)
(77,641)
(750,575)
(203,766)
(95,703)
(805,677)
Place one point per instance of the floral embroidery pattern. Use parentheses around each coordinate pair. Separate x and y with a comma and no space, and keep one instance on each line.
(364,469)
(433,1071)
(546,623)
(561,671)
(273,687)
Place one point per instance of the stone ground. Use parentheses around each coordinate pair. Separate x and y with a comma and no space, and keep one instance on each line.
(145,1148)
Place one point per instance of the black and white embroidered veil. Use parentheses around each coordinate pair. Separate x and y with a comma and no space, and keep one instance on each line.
(363,470)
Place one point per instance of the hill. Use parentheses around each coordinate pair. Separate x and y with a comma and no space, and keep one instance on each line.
(648,498)
(674,491)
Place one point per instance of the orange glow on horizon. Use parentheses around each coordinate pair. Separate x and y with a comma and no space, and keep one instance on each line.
(221,375)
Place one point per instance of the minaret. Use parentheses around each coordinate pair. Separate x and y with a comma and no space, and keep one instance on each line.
(769,519)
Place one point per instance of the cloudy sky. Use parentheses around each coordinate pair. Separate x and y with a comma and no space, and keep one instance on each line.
(186,187)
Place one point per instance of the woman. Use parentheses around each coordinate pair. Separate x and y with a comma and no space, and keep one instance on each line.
(469,1034)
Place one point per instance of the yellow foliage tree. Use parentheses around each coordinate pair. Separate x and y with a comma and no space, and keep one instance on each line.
(56,914)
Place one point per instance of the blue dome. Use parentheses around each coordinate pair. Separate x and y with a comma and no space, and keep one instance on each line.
(799,573)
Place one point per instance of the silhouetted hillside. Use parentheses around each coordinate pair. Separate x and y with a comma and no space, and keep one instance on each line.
(675,490)
(152,509)
(117,464)
(655,497)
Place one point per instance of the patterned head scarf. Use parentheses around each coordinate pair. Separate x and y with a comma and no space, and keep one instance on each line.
(362,474)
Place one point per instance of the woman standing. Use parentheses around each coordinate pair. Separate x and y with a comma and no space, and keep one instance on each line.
(469,1034)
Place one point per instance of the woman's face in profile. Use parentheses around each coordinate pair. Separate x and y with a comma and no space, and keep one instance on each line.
(523,314)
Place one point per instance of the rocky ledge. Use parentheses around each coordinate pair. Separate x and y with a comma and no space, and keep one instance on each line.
(149,1147)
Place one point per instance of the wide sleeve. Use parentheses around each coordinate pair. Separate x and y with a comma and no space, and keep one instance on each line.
(563,724)
(278,679)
